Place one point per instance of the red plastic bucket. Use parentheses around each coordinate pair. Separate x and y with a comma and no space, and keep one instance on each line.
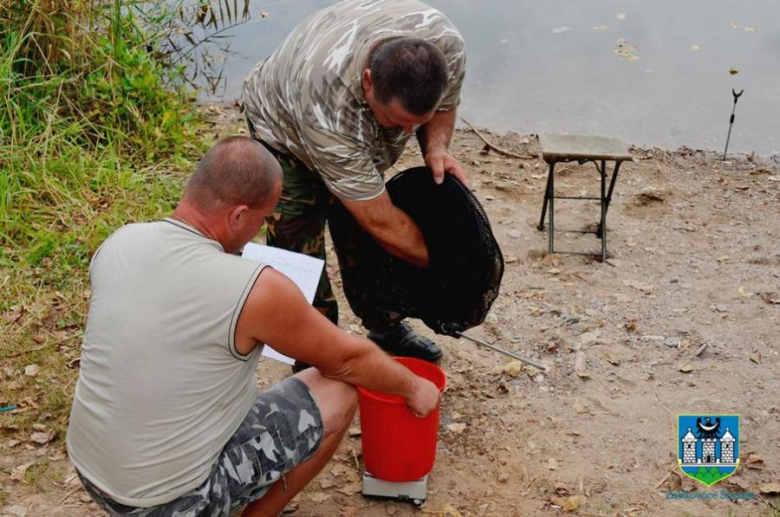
(397,445)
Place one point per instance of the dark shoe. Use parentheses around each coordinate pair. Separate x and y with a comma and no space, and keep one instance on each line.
(298,366)
(402,340)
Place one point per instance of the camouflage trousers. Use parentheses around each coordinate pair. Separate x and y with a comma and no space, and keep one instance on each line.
(282,429)
(298,224)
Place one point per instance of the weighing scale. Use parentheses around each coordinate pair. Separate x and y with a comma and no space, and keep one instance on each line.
(412,491)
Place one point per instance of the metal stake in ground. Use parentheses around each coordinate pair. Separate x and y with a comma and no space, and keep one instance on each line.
(502,351)
(731,121)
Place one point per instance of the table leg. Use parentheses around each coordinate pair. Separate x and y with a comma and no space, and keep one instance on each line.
(609,193)
(603,223)
(551,195)
(544,204)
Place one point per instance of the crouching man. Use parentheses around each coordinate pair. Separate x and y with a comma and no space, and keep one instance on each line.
(166,417)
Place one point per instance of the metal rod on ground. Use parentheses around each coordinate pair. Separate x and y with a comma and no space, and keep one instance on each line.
(502,351)
(731,120)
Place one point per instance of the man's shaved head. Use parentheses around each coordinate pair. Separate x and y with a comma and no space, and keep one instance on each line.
(235,171)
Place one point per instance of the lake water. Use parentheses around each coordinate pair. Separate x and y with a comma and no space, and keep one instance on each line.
(651,73)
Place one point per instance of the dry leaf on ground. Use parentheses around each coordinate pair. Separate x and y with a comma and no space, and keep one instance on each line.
(449,511)
(16,511)
(456,428)
(350,489)
(319,497)
(18,472)
(14,314)
(513,368)
(348,511)
(754,461)
(579,406)
(42,438)
(569,504)
(639,286)
(770,488)
(580,366)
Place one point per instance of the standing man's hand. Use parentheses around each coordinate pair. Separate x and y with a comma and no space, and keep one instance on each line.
(424,398)
(434,137)
(441,161)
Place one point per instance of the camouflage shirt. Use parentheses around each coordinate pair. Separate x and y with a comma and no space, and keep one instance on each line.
(307,98)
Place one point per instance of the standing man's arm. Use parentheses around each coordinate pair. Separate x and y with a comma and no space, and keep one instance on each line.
(391,227)
(345,163)
(434,137)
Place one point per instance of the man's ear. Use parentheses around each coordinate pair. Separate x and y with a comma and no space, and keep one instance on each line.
(236,215)
(367,82)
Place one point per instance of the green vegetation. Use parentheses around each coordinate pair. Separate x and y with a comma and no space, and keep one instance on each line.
(98,127)
(709,476)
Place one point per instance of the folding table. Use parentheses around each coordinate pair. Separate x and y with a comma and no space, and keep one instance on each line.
(580,148)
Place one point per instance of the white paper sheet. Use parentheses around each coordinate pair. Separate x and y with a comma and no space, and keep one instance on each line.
(303,270)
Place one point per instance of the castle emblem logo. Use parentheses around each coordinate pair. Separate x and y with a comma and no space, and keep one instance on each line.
(708,446)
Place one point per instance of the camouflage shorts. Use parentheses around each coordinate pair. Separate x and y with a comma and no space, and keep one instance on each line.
(282,430)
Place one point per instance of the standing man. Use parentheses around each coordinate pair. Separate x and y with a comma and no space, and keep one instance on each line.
(336,103)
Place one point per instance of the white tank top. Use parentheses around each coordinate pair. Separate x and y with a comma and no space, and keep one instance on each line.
(161,387)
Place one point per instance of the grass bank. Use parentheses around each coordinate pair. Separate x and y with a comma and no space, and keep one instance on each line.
(98,127)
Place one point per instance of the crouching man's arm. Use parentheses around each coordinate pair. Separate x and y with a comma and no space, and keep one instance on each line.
(277,313)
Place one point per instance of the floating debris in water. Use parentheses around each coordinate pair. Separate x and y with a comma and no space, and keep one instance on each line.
(561,29)
(601,27)
(695,47)
(621,16)
(626,51)
(734,71)
(748,28)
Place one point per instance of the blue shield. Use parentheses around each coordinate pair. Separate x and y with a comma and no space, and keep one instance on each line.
(708,446)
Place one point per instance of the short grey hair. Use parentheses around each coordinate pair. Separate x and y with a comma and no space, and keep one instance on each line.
(235,171)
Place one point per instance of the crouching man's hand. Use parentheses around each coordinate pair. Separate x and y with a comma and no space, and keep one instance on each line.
(424,398)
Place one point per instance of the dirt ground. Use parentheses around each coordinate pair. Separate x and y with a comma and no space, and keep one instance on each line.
(683,318)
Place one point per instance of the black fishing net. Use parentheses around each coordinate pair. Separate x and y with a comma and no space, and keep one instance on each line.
(466,265)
